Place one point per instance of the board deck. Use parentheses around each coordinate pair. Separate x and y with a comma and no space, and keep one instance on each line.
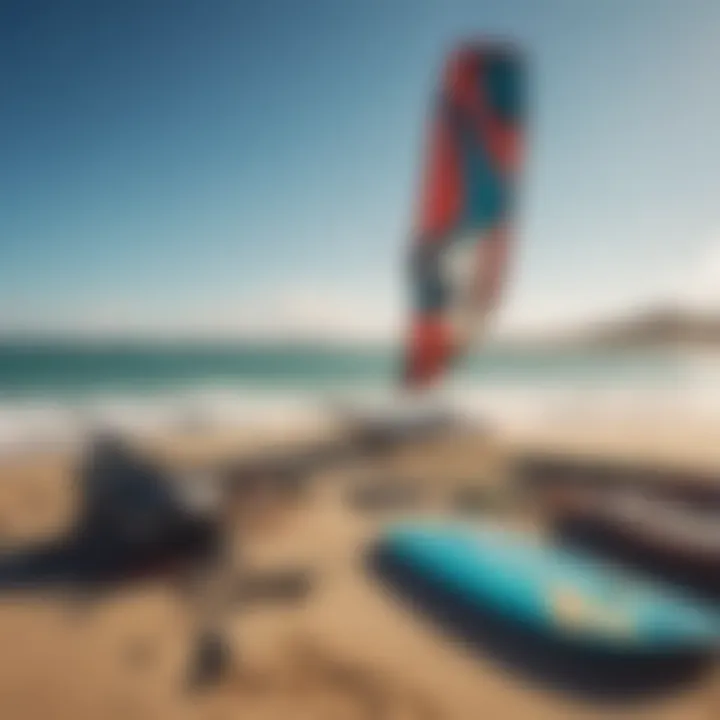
(554,589)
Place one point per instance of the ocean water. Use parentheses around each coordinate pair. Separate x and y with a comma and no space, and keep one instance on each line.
(54,392)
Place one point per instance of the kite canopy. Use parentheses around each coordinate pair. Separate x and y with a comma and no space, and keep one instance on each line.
(460,246)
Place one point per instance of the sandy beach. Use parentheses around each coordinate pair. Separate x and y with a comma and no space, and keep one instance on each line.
(346,650)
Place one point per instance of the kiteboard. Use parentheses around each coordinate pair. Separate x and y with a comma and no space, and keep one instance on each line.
(551,589)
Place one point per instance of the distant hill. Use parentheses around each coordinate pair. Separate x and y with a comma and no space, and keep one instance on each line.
(662,326)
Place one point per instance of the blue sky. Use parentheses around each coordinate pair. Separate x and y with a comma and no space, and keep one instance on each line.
(232,167)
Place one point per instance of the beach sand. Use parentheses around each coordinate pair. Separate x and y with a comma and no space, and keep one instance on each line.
(347,650)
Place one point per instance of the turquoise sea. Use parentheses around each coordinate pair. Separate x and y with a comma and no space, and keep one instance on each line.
(53,389)
(67,369)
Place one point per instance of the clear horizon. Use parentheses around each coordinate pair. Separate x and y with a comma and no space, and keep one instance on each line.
(237,169)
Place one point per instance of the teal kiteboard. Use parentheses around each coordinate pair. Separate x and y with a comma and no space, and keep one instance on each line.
(552,589)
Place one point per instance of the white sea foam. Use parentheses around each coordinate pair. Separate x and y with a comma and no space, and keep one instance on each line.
(38,425)
(691,399)
(691,396)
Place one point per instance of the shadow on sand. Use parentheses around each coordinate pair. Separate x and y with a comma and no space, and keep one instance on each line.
(83,563)
(584,673)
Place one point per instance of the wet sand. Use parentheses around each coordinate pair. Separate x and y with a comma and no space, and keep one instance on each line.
(349,649)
